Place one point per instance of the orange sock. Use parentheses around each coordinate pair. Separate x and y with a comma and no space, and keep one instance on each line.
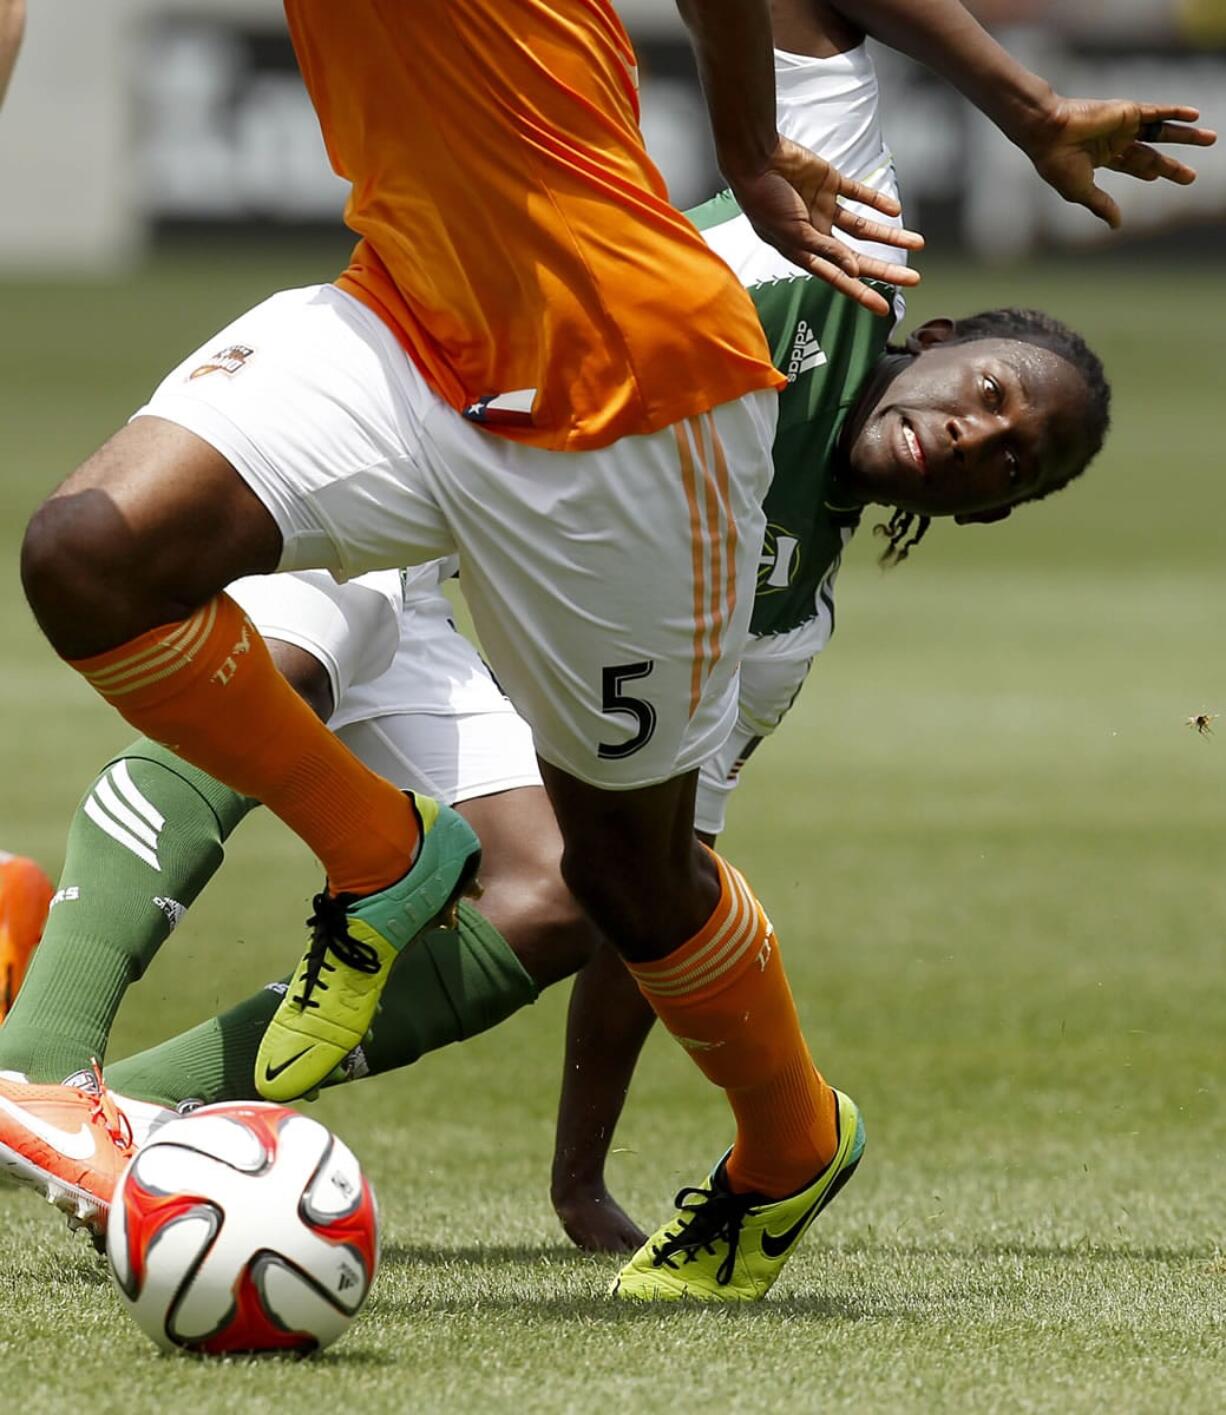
(209,690)
(725,997)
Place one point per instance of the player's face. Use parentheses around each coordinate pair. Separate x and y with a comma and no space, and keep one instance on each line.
(971,428)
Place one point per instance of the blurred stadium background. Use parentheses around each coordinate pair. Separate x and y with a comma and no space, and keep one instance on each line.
(137,117)
(988,839)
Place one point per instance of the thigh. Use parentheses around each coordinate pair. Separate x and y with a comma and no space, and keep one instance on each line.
(311,400)
(612,589)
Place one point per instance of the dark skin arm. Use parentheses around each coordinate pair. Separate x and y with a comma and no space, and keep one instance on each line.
(790,195)
(606,1026)
(1065,138)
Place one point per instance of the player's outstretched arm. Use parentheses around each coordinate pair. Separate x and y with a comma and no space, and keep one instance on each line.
(792,197)
(1066,139)
(12,27)
(1081,134)
(606,1027)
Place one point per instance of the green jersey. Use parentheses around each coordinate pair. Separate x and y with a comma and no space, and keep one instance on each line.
(827,345)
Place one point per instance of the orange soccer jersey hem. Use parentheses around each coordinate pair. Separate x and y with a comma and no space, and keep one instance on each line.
(517,238)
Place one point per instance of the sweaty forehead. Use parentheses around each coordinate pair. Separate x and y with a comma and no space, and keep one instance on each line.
(1046,377)
(1056,397)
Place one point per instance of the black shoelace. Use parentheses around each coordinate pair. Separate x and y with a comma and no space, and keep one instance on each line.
(713,1216)
(329,927)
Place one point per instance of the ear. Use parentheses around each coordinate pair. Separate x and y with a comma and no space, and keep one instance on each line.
(929,334)
(984,518)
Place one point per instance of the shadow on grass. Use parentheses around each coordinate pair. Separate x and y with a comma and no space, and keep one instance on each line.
(609,1311)
(1086,1250)
(47,1271)
(345,1356)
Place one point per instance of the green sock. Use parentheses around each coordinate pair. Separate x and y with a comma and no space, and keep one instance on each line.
(143,843)
(450,985)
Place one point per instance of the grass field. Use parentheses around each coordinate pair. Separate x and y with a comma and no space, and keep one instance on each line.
(993,851)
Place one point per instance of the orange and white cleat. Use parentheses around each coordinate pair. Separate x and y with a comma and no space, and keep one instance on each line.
(25,896)
(69,1143)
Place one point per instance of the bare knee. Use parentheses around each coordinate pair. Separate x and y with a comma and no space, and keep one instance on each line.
(633,862)
(66,566)
(154,524)
(646,905)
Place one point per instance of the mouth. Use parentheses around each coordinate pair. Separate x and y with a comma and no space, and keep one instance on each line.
(914,449)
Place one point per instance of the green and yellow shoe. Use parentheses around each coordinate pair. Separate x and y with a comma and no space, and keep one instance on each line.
(725,1247)
(355,940)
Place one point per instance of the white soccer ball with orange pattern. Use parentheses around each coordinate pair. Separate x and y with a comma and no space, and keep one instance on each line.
(243,1228)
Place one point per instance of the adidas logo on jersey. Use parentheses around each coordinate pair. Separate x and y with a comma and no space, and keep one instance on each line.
(117,807)
(806,352)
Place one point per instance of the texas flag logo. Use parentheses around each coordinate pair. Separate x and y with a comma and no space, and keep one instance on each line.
(513,407)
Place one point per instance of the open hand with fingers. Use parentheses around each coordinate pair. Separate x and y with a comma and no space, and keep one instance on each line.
(796,203)
(1077,135)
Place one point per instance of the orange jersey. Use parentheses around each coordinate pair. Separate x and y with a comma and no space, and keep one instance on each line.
(516,236)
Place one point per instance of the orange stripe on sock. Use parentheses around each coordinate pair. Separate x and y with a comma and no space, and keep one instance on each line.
(120,662)
(209,689)
(171,654)
(157,648)
(725,996)
(732,930)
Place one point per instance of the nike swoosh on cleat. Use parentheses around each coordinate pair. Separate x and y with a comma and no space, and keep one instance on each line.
(272,1072)
(776,1245)
(73,1145)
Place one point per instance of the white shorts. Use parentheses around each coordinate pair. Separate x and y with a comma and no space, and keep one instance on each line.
(773,671)
(611,589)
(413,699)
(353,629)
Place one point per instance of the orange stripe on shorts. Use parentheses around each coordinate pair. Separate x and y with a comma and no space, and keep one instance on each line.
(732,539)
(689,480)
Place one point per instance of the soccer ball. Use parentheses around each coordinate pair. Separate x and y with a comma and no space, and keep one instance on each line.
(243,1228)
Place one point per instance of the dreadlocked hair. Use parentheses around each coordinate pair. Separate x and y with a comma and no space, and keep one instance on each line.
(1026,326)
(905,530)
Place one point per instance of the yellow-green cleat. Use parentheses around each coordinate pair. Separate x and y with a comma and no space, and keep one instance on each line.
(329,1006)
(725,1247)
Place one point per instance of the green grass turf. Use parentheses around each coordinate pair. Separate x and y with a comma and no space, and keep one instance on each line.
(992,849)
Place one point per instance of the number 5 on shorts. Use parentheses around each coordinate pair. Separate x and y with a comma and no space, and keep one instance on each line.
(614,700)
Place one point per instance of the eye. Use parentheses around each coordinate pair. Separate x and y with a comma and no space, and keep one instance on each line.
(993,393)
